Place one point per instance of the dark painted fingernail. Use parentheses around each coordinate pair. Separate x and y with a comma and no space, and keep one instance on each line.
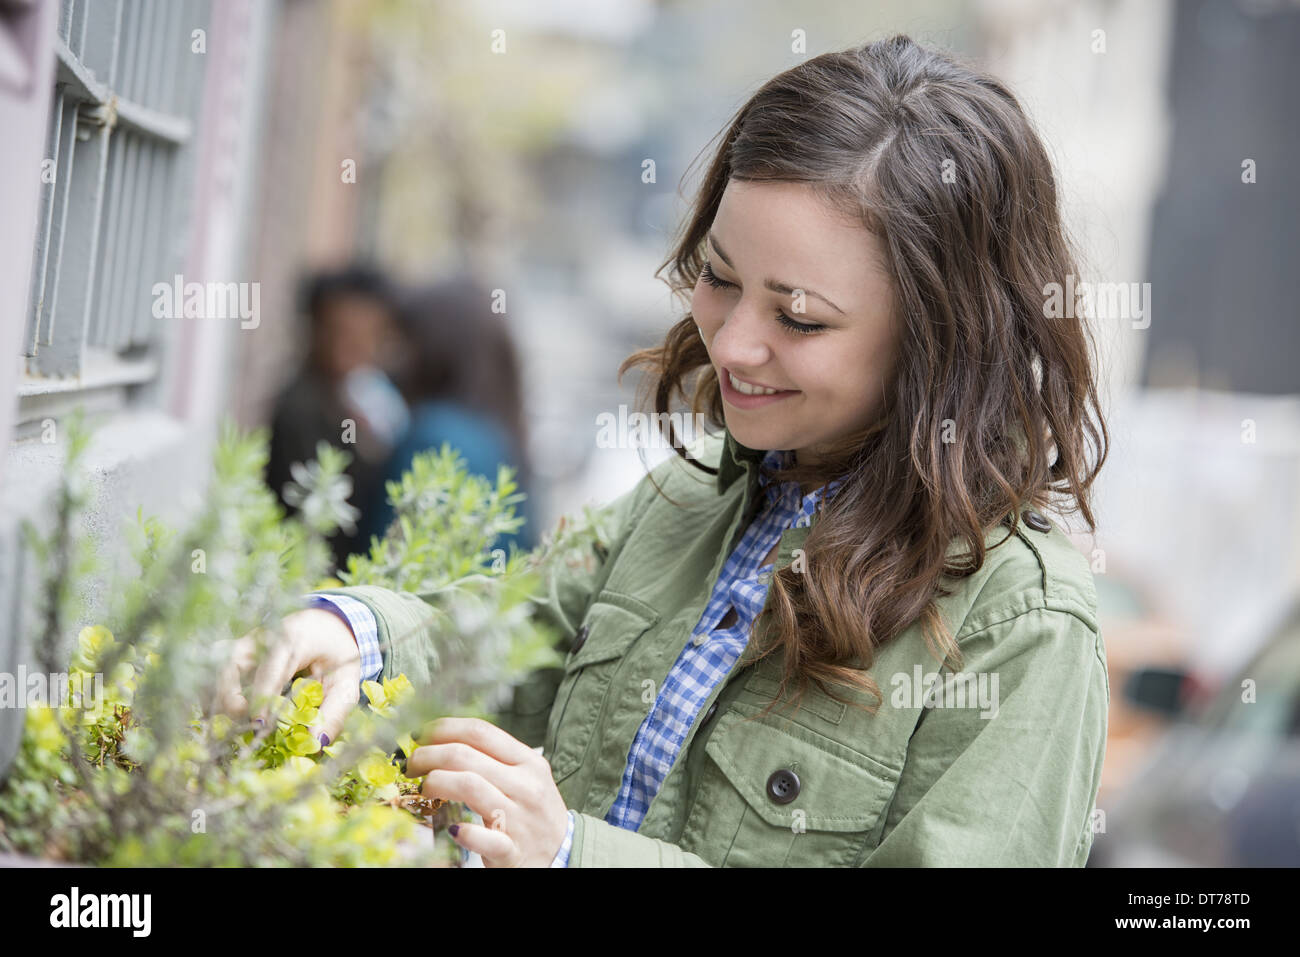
(324,738)
(453,829)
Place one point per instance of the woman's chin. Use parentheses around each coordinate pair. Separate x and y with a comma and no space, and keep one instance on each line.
(751,437)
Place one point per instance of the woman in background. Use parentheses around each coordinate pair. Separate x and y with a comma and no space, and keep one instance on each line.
(462,384)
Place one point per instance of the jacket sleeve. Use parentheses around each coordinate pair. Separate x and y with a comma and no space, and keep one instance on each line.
(1018,788)
(598,843)
(406,638)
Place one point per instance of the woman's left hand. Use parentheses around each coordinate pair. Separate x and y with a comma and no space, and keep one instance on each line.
(499,778)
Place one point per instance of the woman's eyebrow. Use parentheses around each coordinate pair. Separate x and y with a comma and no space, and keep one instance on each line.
(775,284)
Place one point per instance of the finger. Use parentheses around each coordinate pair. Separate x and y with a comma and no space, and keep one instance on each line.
(480,734)
(273,674)
(458,756)
(233,704)
(496,847)
(342,687)
(470,789)
(228,695)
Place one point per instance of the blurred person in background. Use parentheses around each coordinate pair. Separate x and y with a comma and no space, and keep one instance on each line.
(342,392)
(461,380)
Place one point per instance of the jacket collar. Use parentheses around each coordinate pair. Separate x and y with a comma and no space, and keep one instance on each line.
(736,460)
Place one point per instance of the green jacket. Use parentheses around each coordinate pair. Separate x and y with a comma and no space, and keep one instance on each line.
(911,785)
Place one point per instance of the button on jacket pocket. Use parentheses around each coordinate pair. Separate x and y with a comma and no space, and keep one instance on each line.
(612,623)
(774,793)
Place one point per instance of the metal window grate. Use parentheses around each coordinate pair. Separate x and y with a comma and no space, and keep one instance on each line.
(126,96)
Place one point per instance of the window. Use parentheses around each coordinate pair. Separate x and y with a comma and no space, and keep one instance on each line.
(115,182)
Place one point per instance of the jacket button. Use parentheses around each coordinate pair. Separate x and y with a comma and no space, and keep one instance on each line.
(708,715)
(579,639)
(1035,521)
(783,786)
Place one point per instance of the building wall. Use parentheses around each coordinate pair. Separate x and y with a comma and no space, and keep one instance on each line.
(153,431)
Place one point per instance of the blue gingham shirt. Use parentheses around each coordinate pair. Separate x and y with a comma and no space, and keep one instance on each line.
(705,661)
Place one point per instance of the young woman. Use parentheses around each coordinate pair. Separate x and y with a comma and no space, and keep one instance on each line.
(843,633)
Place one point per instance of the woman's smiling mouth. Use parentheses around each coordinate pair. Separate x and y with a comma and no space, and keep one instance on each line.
(749,395)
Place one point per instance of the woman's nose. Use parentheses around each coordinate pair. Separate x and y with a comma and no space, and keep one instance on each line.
(740,341)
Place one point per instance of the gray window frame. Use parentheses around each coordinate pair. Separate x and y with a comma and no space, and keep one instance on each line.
(127,95)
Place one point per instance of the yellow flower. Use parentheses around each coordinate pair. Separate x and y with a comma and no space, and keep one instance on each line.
(44,729)
(301,765)
(397,688)
(377,770)
(373,825)
(123,676)
(301,742)
(318,814)
(307,693)
(300,717)
(375,693)
(93,639)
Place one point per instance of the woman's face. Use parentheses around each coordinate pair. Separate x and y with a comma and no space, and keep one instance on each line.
(832,377)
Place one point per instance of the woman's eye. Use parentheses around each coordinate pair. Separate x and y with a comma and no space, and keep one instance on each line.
(801,328)
(709,276)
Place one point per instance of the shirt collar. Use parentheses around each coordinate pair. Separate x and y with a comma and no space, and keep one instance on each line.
(737,460)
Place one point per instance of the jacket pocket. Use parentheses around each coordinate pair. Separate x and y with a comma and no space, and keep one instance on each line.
(612,623)
(773,793)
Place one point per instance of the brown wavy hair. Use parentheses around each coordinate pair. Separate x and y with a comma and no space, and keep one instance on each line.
(940,162)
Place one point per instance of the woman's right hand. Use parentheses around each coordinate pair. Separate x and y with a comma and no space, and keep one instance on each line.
(313,641)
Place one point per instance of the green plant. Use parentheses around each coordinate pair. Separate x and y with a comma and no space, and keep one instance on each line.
(135,771)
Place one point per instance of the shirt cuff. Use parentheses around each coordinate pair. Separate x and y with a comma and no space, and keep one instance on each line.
(562,857)
(364,628)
